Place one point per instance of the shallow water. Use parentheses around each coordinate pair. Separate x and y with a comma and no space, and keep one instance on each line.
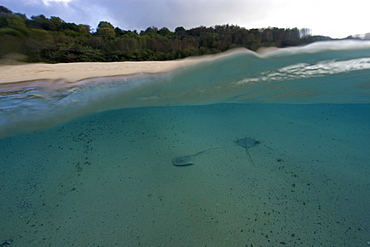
(106,179)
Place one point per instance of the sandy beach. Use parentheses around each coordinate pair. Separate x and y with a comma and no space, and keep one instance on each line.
(77,71)
(73,72)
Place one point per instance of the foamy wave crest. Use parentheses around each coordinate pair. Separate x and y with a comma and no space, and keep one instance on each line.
(323,72)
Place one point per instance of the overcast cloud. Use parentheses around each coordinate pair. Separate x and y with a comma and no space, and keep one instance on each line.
(334,18)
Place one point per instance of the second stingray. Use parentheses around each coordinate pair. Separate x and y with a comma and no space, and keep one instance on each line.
(246,143)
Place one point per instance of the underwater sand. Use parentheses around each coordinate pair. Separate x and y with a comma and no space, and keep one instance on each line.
(107,179)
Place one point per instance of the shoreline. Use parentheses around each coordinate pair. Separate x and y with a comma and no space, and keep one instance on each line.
(73,72)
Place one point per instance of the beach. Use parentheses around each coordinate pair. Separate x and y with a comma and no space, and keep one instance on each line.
(72,72)
(78,71)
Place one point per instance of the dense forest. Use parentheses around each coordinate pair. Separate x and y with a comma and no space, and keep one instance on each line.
(52,40)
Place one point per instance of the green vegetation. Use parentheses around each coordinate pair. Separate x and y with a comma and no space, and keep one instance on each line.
(53,40)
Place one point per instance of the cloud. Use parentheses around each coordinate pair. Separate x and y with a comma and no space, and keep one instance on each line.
(326,17)
(48,2)
(140,14)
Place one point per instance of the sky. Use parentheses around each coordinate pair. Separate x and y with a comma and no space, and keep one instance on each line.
(334,18)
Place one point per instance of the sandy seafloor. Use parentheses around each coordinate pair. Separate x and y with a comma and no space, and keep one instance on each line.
(107,179)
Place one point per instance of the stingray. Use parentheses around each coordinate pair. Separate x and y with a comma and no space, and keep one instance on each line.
(187,160)
(246,143)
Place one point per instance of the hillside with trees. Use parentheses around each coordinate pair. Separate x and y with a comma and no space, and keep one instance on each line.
(53,40)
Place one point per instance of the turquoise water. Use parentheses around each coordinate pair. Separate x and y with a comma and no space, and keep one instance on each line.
(89,163)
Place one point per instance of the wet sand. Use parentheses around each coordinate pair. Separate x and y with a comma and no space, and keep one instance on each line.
(107,179)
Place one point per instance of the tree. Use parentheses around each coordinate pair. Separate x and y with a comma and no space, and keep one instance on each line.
(105,30)
(56,23)
(119,31)
(180,29)
(84,29)
(105,24)
(304,32)
(152,31)
(40,21)
(14,22)
(164,31)
(70,26)
(4,10)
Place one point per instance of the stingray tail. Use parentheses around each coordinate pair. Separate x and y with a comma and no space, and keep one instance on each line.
(249,156)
